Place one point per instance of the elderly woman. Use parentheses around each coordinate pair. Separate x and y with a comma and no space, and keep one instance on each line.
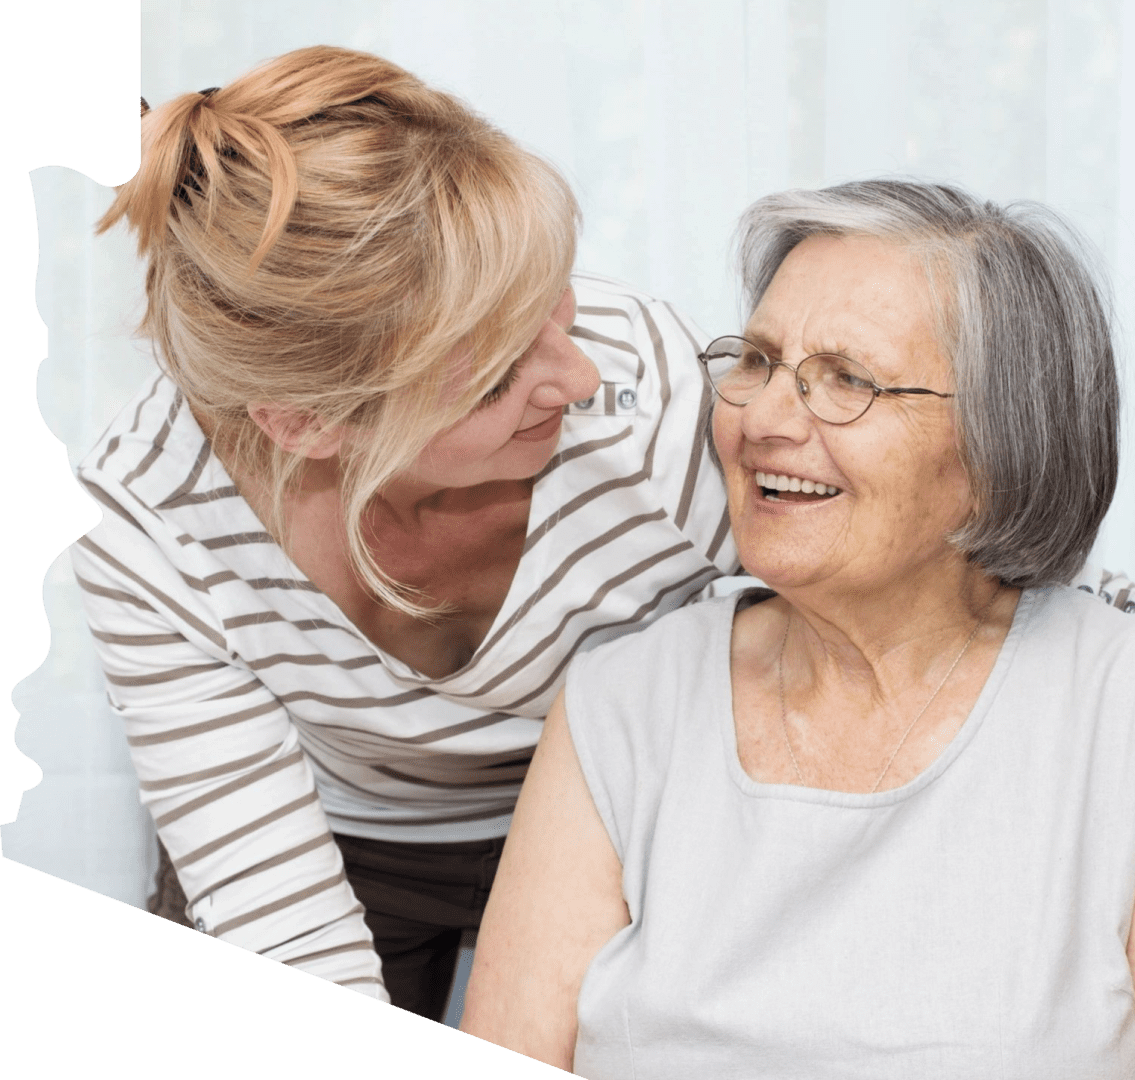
(881,822)
(376,500)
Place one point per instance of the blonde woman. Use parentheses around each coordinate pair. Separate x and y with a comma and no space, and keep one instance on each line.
(396,471)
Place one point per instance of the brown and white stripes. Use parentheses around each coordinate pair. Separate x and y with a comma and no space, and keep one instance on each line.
(260,718)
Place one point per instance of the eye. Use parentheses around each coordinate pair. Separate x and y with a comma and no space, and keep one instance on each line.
(497,392)
(852,381)
(753,359)
(844,374)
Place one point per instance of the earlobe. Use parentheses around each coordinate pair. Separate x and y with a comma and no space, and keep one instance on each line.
(296,430)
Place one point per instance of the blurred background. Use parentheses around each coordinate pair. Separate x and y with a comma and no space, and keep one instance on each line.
(668,117)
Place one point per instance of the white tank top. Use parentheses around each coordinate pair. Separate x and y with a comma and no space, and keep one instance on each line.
(970,924)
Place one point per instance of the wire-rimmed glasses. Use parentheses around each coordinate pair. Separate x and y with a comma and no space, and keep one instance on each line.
(835,389)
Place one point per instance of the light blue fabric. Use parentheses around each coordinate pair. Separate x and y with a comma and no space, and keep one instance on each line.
(970,924)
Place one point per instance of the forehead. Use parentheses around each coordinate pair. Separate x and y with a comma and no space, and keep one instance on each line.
(856,294)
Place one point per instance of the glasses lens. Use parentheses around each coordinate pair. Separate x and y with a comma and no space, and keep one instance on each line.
(736,368)
(838,390)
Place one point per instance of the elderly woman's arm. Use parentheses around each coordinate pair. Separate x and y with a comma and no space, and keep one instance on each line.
(1131,950)
(557,899)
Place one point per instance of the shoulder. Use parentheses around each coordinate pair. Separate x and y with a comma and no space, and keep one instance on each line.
(646,352)
(1069,690)
(150,447)
(599,297)
(633,667)
(172,520)
(633,332)
(628,701)
(156,466)
(1079,608)
(629,315)
(1098,638)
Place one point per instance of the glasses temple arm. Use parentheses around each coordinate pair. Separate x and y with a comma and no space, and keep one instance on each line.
(910,390)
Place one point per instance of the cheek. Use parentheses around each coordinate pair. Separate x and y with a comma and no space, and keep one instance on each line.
(931,492)
(728,442)
(725,431)
(956,492)
(947,477)
(473,437)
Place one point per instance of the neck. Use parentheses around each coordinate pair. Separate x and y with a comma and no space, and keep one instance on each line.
(408,504)
(885,640)
(868,686)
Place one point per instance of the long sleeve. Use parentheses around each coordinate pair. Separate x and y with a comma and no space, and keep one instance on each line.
(219,765)
(258,715)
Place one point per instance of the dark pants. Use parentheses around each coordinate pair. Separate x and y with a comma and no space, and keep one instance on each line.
(418,899)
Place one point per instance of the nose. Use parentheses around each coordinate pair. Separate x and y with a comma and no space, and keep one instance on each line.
(565,374)
(777,410)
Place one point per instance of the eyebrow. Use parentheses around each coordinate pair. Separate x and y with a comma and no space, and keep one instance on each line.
(761,341)
(508,372)
(861,356)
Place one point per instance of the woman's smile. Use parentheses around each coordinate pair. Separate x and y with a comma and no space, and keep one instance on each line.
(769,498)
(844,502)
(545,429)
(786,487)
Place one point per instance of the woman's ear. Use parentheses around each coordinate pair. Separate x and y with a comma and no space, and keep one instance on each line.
(296,431)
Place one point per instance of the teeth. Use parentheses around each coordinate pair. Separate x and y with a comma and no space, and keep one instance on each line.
(782,482)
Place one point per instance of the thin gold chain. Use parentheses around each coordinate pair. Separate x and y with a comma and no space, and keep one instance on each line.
(910,726)
(783,711)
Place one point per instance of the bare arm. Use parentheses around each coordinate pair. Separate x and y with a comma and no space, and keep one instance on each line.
(557,899)
(1131,951)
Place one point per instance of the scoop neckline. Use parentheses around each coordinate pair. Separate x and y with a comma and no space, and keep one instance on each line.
(530,568)
(727,730)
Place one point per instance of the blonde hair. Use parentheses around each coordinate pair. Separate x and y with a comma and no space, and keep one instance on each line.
(322,234)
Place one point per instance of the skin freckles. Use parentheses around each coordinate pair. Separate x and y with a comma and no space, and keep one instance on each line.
(902,483)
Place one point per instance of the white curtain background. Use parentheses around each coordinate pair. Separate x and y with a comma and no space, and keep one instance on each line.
(669,117)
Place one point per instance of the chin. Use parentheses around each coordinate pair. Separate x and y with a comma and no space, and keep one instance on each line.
(781,578)
(525,461)
(785,559)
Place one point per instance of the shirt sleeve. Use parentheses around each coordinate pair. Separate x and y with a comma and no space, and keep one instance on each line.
(219,766)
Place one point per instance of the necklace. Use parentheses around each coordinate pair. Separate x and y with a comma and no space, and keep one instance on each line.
(910,726)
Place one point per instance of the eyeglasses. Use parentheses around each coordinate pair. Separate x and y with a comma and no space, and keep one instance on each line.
(834,388)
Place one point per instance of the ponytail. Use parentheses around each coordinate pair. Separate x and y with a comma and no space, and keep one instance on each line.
(183,142)
(322,233)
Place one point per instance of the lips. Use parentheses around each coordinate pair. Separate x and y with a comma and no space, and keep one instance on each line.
(543,430)
(786,488)
(787,482)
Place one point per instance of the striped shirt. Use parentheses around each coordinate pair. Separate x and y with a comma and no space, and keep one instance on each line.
(260,718)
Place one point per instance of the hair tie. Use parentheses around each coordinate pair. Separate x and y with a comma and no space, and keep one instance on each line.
(145,106)
(209,92)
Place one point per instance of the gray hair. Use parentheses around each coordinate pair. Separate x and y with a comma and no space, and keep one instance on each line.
(1025,320)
